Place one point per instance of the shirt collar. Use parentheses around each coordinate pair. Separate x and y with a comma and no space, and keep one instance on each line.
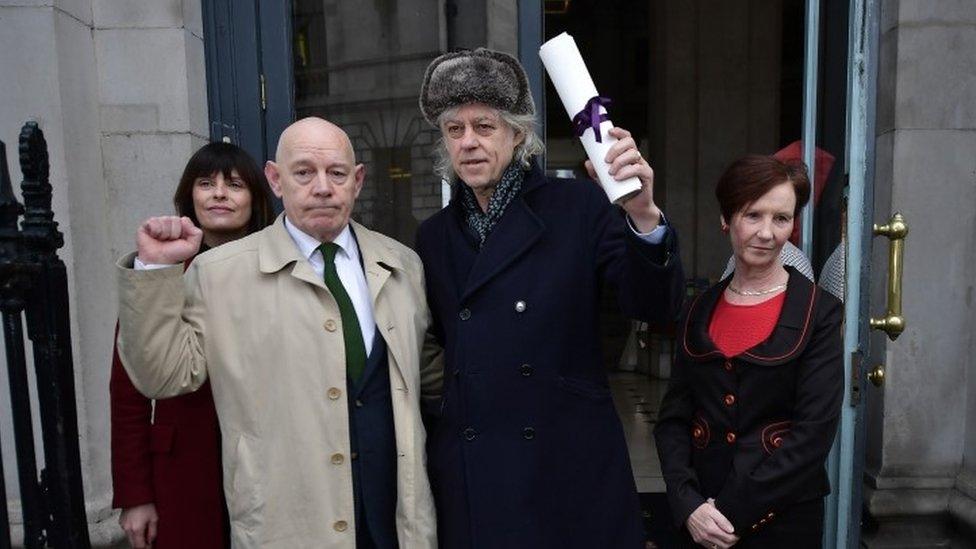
(308,244)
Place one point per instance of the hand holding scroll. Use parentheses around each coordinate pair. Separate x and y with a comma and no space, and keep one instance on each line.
(625,162)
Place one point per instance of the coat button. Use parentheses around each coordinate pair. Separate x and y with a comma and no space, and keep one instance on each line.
(359,403)
(469,434)
(353,456)
(330,325)
(337,459)
(334,393)
(340,526)
(526,370)
(464,314)
(520,306)
(729,399)
(728,366)
(528,433)
(730,437)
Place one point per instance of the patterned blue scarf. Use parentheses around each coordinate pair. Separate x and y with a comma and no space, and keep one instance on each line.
(483,222)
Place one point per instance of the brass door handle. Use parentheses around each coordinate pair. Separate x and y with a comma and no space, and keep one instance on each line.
(893,323)
(876,376)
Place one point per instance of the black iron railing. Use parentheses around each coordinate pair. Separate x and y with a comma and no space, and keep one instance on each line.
(33,286)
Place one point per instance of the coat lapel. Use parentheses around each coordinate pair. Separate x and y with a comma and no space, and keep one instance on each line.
(517,231)
(790,334)
(793,329)
(277,249)
(379,264)
(698,345)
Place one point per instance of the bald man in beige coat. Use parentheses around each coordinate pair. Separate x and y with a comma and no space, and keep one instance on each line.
(255,317)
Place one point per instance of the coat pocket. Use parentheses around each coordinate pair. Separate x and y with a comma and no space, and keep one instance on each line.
(773,435)
(584,388)
(242,484)
(700,432)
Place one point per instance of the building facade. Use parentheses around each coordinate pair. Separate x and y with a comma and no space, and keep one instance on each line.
(126,91)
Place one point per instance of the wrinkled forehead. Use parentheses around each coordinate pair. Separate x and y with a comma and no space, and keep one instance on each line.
(313,150)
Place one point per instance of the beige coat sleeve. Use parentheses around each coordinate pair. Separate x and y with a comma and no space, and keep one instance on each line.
(161,332)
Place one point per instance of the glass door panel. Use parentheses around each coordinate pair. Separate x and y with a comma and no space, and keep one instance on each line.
(360,65)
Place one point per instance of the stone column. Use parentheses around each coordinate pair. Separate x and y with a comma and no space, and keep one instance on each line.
(921,447)
(119,89)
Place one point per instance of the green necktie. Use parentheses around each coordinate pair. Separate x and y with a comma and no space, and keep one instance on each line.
(352,336)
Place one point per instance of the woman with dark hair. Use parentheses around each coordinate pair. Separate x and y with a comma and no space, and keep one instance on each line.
(166,455)
(756,389)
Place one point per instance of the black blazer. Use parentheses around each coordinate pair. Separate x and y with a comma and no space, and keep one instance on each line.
(753,431)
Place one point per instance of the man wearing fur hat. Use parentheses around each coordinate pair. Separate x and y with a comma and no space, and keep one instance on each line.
(528,450)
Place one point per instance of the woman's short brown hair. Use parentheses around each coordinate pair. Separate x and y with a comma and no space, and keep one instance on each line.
(750,177)
(225,158)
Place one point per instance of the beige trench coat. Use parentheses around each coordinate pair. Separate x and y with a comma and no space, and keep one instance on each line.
(253,317)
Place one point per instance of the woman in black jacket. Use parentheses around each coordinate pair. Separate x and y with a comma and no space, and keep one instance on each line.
(754,399)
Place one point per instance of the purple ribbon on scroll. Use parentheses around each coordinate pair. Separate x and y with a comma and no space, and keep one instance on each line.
(590,117)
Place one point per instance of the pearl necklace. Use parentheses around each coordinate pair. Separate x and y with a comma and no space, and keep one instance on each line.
(776,288)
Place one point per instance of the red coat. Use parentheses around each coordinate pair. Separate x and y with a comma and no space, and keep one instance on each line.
(172,460)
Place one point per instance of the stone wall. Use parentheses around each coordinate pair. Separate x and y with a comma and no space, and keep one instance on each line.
(119,89)
(922,423)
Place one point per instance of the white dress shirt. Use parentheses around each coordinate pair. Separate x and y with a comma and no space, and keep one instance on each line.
(350,272)
(656,236)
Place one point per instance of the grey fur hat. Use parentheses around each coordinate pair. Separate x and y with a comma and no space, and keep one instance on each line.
(479,76)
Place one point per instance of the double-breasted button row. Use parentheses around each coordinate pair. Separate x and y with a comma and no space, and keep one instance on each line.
(338,459)
(762,522)
(330,325)
(340,526)
(465,314)
(334,393)
(469,434)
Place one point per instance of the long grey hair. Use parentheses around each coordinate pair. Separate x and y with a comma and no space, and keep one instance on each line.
(524,124)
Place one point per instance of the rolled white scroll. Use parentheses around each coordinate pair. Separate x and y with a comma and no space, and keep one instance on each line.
(575,87)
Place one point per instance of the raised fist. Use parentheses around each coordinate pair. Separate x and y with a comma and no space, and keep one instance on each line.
(167,240)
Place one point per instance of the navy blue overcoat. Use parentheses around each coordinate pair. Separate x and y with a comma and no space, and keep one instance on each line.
(528,450)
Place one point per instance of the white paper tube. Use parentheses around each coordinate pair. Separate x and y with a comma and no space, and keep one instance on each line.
(575,87)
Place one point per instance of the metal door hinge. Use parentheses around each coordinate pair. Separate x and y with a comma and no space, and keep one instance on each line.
(264,94)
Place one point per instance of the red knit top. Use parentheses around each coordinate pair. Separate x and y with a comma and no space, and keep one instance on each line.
(735,328)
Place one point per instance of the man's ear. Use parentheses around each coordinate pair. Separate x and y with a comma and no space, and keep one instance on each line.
(273,176)
(724,223)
